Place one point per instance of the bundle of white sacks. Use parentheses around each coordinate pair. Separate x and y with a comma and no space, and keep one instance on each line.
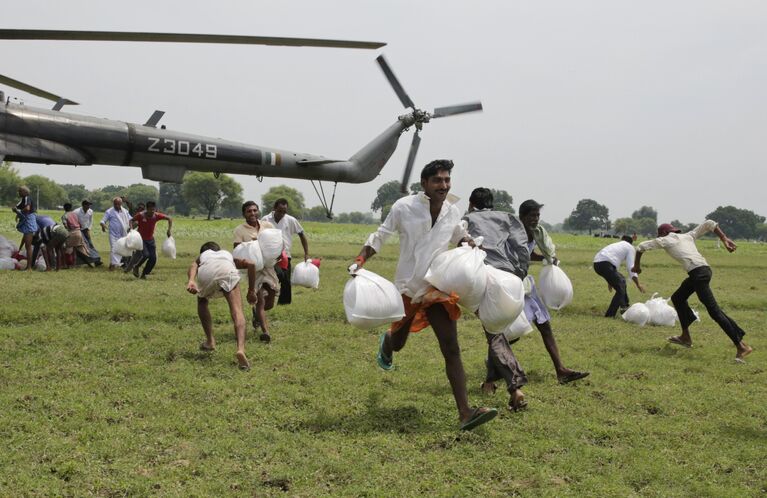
(656,311)
(371,301)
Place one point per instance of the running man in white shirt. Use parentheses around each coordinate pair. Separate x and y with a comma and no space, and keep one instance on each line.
(606,264)
(427,223)
(681,247)
(213,274)
(290,226)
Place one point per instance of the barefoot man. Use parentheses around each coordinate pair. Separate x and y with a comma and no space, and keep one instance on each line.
(213,274)
(427,224)
(681,247)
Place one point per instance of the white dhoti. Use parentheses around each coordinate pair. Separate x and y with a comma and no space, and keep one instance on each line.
(216,274)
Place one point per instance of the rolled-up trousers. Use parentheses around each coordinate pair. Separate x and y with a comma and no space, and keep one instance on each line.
(697,282)
(502,364)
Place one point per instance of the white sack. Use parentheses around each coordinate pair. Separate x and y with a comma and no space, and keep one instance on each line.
(250,251)
(503,301)
(169,248)
(461,270)
(7,248)
(638,313)
(518,328)
(306,274)
(121,247)
(7,264)
(660,311)
(133,241)
(271,242)
(40,264)
(370,301)
(556,290)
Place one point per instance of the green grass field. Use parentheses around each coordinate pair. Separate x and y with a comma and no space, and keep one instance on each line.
(104,391)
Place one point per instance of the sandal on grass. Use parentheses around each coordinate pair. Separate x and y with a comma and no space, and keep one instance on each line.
(674,339)
(478,417)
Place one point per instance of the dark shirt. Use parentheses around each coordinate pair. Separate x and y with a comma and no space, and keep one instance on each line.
(505,240)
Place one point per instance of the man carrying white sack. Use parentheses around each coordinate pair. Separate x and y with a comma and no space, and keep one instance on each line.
(535,310)
(213,274)
(606,264)
(427,224)
(681,247)
(504,243)
(118,220)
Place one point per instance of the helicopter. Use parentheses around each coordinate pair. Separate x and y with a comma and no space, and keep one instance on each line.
(50,136)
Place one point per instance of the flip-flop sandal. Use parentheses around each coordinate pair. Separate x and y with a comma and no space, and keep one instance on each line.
(519,406)
(203,347)
(264,337)
(478,418)
(384,362)
(676,340)
(572,377)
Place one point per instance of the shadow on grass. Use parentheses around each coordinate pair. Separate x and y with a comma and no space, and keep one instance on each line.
(374,419)
(745,433)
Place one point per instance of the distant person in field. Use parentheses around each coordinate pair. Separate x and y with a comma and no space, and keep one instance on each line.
(85,216)
(26,221)
(535,310)
(267,283)
(504,243)
(118,220)
(49,239)
(427,223)
(606,264)
(289,226)
(681,247)
(145,222)
(76,241)
(214,274)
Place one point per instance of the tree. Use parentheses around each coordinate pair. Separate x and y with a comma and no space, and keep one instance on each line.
(10,181)
(645,212)
(47,193)
(761,232)
(629,226)
(416,187)
(76,193)
(206,192)
(737,223)
(232,204)
(141,192)
(386,195)
(294,197)
(172,198)
(588,215)
(316,213)
(502,200)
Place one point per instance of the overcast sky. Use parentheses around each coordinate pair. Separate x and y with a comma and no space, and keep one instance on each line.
(628,103)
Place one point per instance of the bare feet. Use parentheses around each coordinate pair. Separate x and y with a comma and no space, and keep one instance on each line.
(207,346)
(242,360)
(517,401)
(743,351)
(566,376)
(487,388)
(680,341)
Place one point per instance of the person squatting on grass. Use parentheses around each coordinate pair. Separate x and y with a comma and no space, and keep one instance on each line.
(535,310)
(504,243)
(289,226)
(216,275)
(681,247)
(267,283)
(145,222)
(606,264)
(427,224)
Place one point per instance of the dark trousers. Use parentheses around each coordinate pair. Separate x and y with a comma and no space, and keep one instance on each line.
(502,364)
(284,277)
(606,270)
(698,282)
(148,254)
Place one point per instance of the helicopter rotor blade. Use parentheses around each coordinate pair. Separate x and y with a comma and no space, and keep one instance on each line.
(410,161)
(20,85)
(441,112)
(47,34)
(394,82)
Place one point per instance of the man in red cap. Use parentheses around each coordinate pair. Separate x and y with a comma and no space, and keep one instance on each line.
(682,248)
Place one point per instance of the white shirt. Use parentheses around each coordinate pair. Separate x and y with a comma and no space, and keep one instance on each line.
(289,226)
(118,221)
(85,218)
(419,241)
(617,252)
(681,246)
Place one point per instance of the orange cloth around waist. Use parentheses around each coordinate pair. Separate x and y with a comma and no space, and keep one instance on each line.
(417,311)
